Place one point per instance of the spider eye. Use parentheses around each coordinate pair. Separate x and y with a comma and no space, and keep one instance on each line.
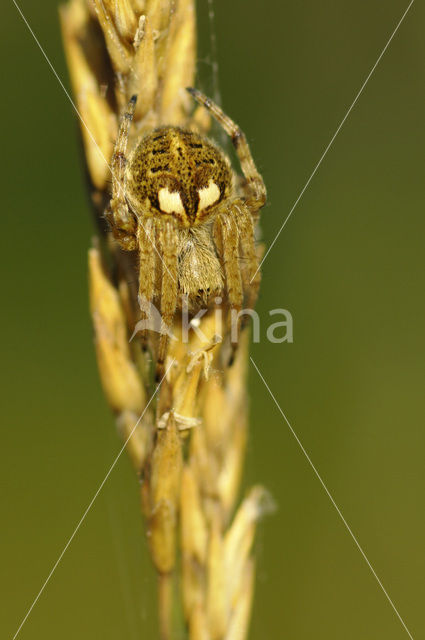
(208,195)
(170,201)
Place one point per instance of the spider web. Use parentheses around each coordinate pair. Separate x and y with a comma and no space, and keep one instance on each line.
(208,70)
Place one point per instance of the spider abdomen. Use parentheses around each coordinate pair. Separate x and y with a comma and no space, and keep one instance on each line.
(177,174)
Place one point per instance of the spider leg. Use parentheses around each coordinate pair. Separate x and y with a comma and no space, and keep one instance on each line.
(168,245)
(255,184)
(119,159)
(145,239)
(226,237)
(250,274)
(120,218)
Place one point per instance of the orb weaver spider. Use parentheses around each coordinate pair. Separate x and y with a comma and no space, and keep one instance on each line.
(176,197)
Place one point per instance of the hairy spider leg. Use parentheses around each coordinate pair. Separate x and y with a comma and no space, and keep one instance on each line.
(168,245)
(250,273)
(226,236)
(145,239)
(255,183)
(119,215)
(242,211)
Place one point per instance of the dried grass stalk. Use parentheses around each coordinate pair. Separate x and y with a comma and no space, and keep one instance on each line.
(189,448)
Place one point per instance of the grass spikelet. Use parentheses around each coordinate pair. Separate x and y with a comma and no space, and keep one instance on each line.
(189,448)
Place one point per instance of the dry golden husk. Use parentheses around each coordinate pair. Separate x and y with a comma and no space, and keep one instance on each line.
(188,449)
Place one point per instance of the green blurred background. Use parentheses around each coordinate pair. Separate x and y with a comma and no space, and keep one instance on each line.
(349,265)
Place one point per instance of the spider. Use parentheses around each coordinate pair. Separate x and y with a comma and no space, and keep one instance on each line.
(176,200)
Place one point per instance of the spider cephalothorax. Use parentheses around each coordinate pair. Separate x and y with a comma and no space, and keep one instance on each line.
(176,201)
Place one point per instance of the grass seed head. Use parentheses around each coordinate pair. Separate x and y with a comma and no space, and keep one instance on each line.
(188,449)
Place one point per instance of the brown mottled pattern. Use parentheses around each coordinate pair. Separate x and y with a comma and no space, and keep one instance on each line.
(181,161)
(176,194)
